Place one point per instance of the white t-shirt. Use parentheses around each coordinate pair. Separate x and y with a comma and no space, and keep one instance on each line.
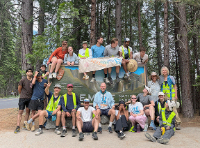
(136,56)
(135,108)
(86,115)
(82,52)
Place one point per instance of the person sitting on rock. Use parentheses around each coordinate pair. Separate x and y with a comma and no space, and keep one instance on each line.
(85,53)
(52,110)
(141,57)
(84,121)
(70,103)
(167,125)
(121,120)
(71,58)
(104,104)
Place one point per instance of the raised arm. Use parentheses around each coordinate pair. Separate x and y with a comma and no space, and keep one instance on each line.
(35,76)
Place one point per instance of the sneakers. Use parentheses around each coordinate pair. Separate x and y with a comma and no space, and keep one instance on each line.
(110,79)
(94,136)
(152,125)
(27,125)
(57,131)
(39,131)
(106,80)
(54,75)
(81,136)
(117,79)
(178,127)
(17,130)
(73,133)
(50,75)
(121,135)
(163,140)
(100,130)
(63,133)
(92,80)
(86,77)
(150,137)
(33,128)
(110,129)
(145,127)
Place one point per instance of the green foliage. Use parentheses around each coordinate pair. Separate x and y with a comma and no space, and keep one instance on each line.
(197,81)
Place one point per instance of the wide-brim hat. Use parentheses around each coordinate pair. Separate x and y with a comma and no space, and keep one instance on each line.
(132,65)
(154,74)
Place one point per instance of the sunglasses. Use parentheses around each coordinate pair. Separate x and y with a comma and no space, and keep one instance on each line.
(133,98)
(64,44)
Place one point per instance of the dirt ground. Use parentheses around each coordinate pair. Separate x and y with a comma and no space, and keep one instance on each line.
(8,120)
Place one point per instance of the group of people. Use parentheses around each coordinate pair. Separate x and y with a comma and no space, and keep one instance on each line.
(66,55)
(155,101)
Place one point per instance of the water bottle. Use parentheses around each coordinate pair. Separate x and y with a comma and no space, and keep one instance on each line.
(138,128)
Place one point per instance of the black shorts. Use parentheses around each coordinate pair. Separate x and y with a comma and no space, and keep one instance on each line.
(23,103)
(87,127)
(36,105)
(105,112)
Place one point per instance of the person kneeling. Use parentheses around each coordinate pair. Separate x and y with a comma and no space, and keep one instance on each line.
(167,125)
(84,121)
(121,120)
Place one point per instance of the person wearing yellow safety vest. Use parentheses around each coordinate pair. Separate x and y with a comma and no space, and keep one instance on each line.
(70,103)
(166,126)
(44,72)
(111,50)
(52,110)
(85,53)
(126,52)
(169,88)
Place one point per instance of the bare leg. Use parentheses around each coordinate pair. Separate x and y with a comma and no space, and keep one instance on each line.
(36,115)
(152,112)
(72,63)
(53,65)
(117,69)
(58,114)
(59,62)
(19,117)
(95,124)
(27,114)
(109,70)
(112,114)
(105,70)
(41,116)
(63,118)
(79,124)
(73,118)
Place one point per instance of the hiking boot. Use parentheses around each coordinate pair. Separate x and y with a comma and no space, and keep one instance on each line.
(33,128)
(121,135)
(73,133)
(39,131)
(150,137)
(27,126)
(178,127)
(125,76)
(94,136)
(145,127)
(92,80)
(117,79)
(163,140)
(57,131)
(110,79)
(106,80)
(110,129)
(63,133)
(50,76)
(152,125)
(81,136)
(17,130)
(100,130)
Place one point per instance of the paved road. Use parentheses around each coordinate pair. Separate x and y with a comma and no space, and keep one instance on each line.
(186,138)
(9,103)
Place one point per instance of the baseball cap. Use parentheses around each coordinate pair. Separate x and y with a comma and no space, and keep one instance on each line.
(69,85)
(126,40)
(84,42)
(86,100)
(39,74)
(57,85)
(43,65)
(148,89)
(161,94)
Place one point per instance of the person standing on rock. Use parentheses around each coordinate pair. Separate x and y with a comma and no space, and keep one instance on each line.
(25,91)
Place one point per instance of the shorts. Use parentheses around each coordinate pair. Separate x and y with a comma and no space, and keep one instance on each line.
(36,105)
(87,127)
(105,112)
(49,114)
(23,103)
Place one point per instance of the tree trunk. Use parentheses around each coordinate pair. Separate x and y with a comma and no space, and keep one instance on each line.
(130,23)
(100,26)
(183,51)
(108,37)
(158,43)
(139,25)
(27,31)
(93,22)
(166,39)
(118,20)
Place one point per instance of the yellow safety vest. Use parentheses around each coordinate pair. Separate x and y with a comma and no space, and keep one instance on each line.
(166,90)
(74,99)
(123,52)
(43,75)
(52,105)
(86,54)
(169,120)
(159,107)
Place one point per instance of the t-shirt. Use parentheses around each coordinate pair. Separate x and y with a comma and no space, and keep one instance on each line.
(155,89)
(104,102)
(125,51)
(145,100)
(26,92)
(38,90)
(111,52)
(82,52)
(97,52)
(55,99)
(135,108)
(86,115)
(140,60)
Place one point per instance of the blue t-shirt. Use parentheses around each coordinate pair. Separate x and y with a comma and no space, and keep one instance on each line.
(38,90)
(97,52)
(55,99)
